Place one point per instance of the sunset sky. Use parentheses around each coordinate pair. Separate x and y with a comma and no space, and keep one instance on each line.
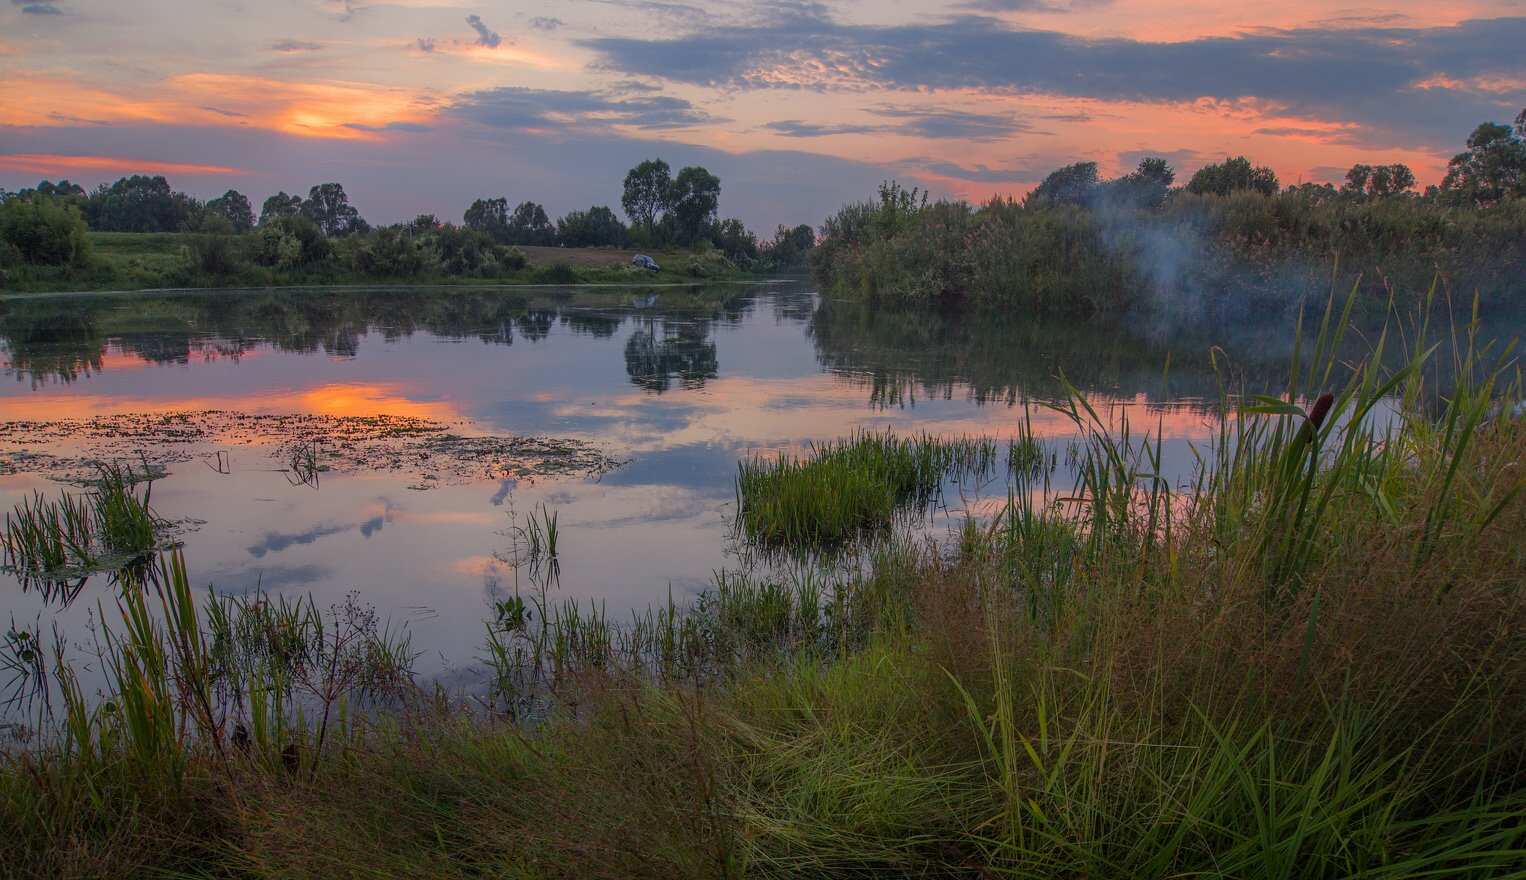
(422,105)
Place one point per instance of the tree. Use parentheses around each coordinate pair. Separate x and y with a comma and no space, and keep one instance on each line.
(488,216)
(289,242)
(596,227)
(647,189)
(1156,170)
(530,225)
(234,207)
(423,223)
(1379,180)
(736,241)
(140,204)
(330,209)
(44,230)
(1492,169)
(1072,185)
(1144,187)
(1233,175)
(280,205)
(693,199)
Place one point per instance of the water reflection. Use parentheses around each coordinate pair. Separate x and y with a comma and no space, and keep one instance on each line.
(680,382)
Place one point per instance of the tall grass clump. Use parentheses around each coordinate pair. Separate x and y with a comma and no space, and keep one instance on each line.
(842,489)
(108,527)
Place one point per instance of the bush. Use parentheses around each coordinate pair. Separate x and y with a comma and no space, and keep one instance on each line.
(388,253)
(556,273)
(44,231)
(513,259)
(214,254)
(290,242)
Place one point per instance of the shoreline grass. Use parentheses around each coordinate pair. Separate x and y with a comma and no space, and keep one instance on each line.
(1304,662)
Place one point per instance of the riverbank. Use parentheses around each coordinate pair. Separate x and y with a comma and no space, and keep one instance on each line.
(120,261)
(1305,663)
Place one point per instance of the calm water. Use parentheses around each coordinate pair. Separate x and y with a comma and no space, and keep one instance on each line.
(679,383)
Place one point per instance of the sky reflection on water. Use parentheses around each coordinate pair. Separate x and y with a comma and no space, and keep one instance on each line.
(681,391)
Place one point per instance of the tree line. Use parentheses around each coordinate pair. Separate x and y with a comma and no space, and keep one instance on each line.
(1231,238)
(46,224)
(1490,170)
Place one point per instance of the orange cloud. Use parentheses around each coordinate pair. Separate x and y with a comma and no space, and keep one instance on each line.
(328,109)
(53,163)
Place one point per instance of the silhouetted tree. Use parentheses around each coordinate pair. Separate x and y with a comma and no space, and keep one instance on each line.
(280,205)
(790,246)
(140,204)
(596,227)
(1379,180)
(735,240)
(530,225)
(1492,168)
(330,209)
(1072,185)
(693,199)
(647,190)
(234,207)
(489,216)
(1233,175)
(1144,187)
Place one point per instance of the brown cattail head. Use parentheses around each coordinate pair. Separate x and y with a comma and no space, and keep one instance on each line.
(1321,409)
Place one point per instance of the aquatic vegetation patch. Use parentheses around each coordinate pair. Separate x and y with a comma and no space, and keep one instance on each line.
(302,445)
(842,489)
(108,527)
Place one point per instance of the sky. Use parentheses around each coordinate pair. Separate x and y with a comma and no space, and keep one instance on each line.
(420,106)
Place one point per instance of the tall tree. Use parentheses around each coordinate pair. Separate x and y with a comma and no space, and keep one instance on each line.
(488,216)
(693,199)
(647,188)
(1492,168)
(234,207)
(530,225)
(329,207)
(280,205)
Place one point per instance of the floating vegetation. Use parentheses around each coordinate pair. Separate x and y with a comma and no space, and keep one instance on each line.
(843,489)
(68,448)
(54,544)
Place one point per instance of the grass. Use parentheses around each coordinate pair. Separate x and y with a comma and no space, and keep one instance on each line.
(1303,662)
(843,489)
